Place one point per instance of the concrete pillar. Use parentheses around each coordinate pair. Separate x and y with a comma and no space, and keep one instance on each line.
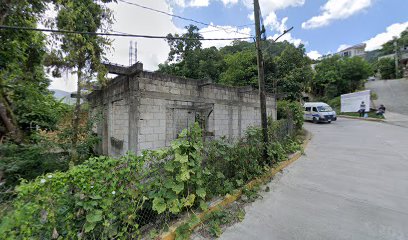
(134,113)
(230,122)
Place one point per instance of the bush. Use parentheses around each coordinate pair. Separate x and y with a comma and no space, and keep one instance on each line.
(335,103)
(233,164)
(386,67)
(113,198)
(230,165)
(101,195)
(27,162)
(43,151)
(293,110)
(106,198)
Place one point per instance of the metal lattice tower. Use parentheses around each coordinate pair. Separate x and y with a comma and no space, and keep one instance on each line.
(131,53)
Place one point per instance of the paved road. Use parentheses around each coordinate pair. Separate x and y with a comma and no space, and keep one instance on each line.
(351,184)
(396,119)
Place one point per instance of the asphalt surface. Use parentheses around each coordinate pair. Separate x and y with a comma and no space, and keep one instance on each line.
(352,183)
(396,119)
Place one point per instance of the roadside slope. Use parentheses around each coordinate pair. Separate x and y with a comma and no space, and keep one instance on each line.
(392,93)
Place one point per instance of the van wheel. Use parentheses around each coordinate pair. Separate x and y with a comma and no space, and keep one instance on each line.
(314,120)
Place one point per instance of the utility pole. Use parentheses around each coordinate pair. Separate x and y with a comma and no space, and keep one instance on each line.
(261,79)
(396,57)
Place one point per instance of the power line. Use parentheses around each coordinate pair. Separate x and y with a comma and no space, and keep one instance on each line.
(226,29)
(115,34)
(177,16)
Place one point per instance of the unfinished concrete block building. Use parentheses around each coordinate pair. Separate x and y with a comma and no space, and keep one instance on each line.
(144,110)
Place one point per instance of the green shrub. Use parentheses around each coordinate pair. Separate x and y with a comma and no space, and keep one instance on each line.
(112,198)
(294,110)
(335,103)
(102,195)
(386,67)
(106,198)
(27,162)
(233,164)
(373,95)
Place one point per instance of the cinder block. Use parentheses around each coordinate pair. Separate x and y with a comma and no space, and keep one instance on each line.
(146,116)
(146,146)
(154,123)
(152,137)
(146,130)
(175,91)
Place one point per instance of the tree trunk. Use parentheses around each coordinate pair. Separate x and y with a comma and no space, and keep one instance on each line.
(4,10)
(6,115)
(76,119)
(9,121)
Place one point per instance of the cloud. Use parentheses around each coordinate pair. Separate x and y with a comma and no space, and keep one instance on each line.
(151,52)
(314,55)
(180,3)
(279,28)
(269,6)
(342,47)
(335,10)
(199,3)
(272,20)
(229,2)
(135,20)
(393,30)
(214,31)
(190,3)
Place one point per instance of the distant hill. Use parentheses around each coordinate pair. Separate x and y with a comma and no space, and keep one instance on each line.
(60,94)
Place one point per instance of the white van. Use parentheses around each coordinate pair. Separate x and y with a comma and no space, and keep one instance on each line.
(318,112)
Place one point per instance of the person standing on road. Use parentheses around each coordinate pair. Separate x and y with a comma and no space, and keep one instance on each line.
(362,109)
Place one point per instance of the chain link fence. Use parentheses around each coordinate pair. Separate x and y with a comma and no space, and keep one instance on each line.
(232,163)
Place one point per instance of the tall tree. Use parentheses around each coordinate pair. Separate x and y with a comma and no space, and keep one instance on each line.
(82,53)
(21,55)
(386,67)
(241,69)
(293,71)
(184,56)
(180,49)
(335,76)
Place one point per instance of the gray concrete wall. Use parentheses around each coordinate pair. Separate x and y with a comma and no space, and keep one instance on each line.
(391,93)
(148,110)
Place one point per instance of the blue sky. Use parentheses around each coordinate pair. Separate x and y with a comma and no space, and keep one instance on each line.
(323,26)
(352,21)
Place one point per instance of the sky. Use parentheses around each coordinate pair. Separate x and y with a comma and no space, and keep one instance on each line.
(323,26)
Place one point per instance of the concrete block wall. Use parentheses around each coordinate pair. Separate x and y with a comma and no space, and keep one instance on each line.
(152,123)
(148,110)
(172,102)
(119,116)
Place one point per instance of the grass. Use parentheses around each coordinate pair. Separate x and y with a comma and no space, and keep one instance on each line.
(370,115)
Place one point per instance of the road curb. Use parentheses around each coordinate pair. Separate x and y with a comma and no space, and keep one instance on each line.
(228,199)
(364,119)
